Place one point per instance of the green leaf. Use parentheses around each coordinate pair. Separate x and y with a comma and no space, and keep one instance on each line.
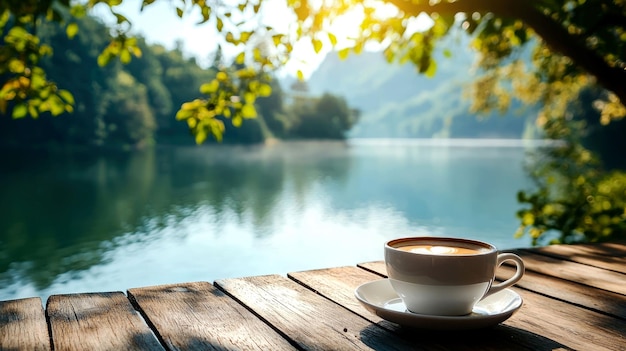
(249,98)
(277,39)
(230,38)
(71,30)
(33,111)
(200,136)
(120,18)
(332,38)
(343,53)
(192,122)
(210,88)
(206,14)
(56,105)
(431,70)
(256,53)
(221,76)
(135,50)
(317,45)
(103,59)
(45,50)
(217,129)
(528,219)
(125,56)
(20,111)
(248,111)
(358,47)
(78,11)
(183,114)
(67,96)
(16,66)
(220,24)
(265,90)
(241,58)
(245,36)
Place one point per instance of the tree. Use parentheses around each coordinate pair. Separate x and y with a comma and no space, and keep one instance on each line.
(574,40)
(326,117)
(573,44)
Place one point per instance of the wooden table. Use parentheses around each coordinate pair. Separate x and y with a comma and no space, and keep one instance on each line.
(574,298)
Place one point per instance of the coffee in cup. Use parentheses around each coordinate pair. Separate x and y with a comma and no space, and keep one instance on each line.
(445,276)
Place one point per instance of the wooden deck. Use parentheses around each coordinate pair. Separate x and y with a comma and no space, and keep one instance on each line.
(574,298)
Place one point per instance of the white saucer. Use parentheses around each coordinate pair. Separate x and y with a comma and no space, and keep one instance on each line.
(379,298)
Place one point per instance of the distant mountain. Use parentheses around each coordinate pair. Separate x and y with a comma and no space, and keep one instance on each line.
(396,101)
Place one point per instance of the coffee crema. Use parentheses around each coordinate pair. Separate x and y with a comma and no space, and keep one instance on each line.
(441,250)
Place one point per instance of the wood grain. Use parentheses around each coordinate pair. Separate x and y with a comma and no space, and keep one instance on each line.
(98,321)
(23,325)
(561,322)
(576,272)
(377,267)
(594,299)
(338,285)
(568,324)
(307,319)
(574,299)
(607,256)
(197,316)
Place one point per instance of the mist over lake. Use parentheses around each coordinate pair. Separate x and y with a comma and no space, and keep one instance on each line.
(81,222)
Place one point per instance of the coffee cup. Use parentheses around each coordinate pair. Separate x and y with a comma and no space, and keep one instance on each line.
(445,276)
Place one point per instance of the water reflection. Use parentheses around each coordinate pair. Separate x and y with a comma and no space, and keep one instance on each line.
(79,221)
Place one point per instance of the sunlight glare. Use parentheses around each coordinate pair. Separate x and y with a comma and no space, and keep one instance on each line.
(159,24)
(418,24)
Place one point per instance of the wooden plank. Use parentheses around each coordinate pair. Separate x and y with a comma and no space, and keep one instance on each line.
(568,324)
(23,325)
(576,272)
(197,316)
(572,271)
(607,256)
(595,299)
(377,267)
(338,285)
(558,321)
(310,321)
(98,321)
(615,249)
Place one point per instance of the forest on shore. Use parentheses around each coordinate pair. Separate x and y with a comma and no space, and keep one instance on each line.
(134,105)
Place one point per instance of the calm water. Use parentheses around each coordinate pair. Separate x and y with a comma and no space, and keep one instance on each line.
(80,222)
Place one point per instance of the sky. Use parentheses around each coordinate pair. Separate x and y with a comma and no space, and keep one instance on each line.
(158,23)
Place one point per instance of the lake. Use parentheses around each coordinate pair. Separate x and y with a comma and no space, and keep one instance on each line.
(108,221)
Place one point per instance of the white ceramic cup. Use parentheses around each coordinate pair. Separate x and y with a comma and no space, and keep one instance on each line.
(445,276)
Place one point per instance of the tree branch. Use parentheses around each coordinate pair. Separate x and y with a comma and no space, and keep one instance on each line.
(553,34)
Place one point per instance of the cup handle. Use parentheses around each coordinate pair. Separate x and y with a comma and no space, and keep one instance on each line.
(514,279)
